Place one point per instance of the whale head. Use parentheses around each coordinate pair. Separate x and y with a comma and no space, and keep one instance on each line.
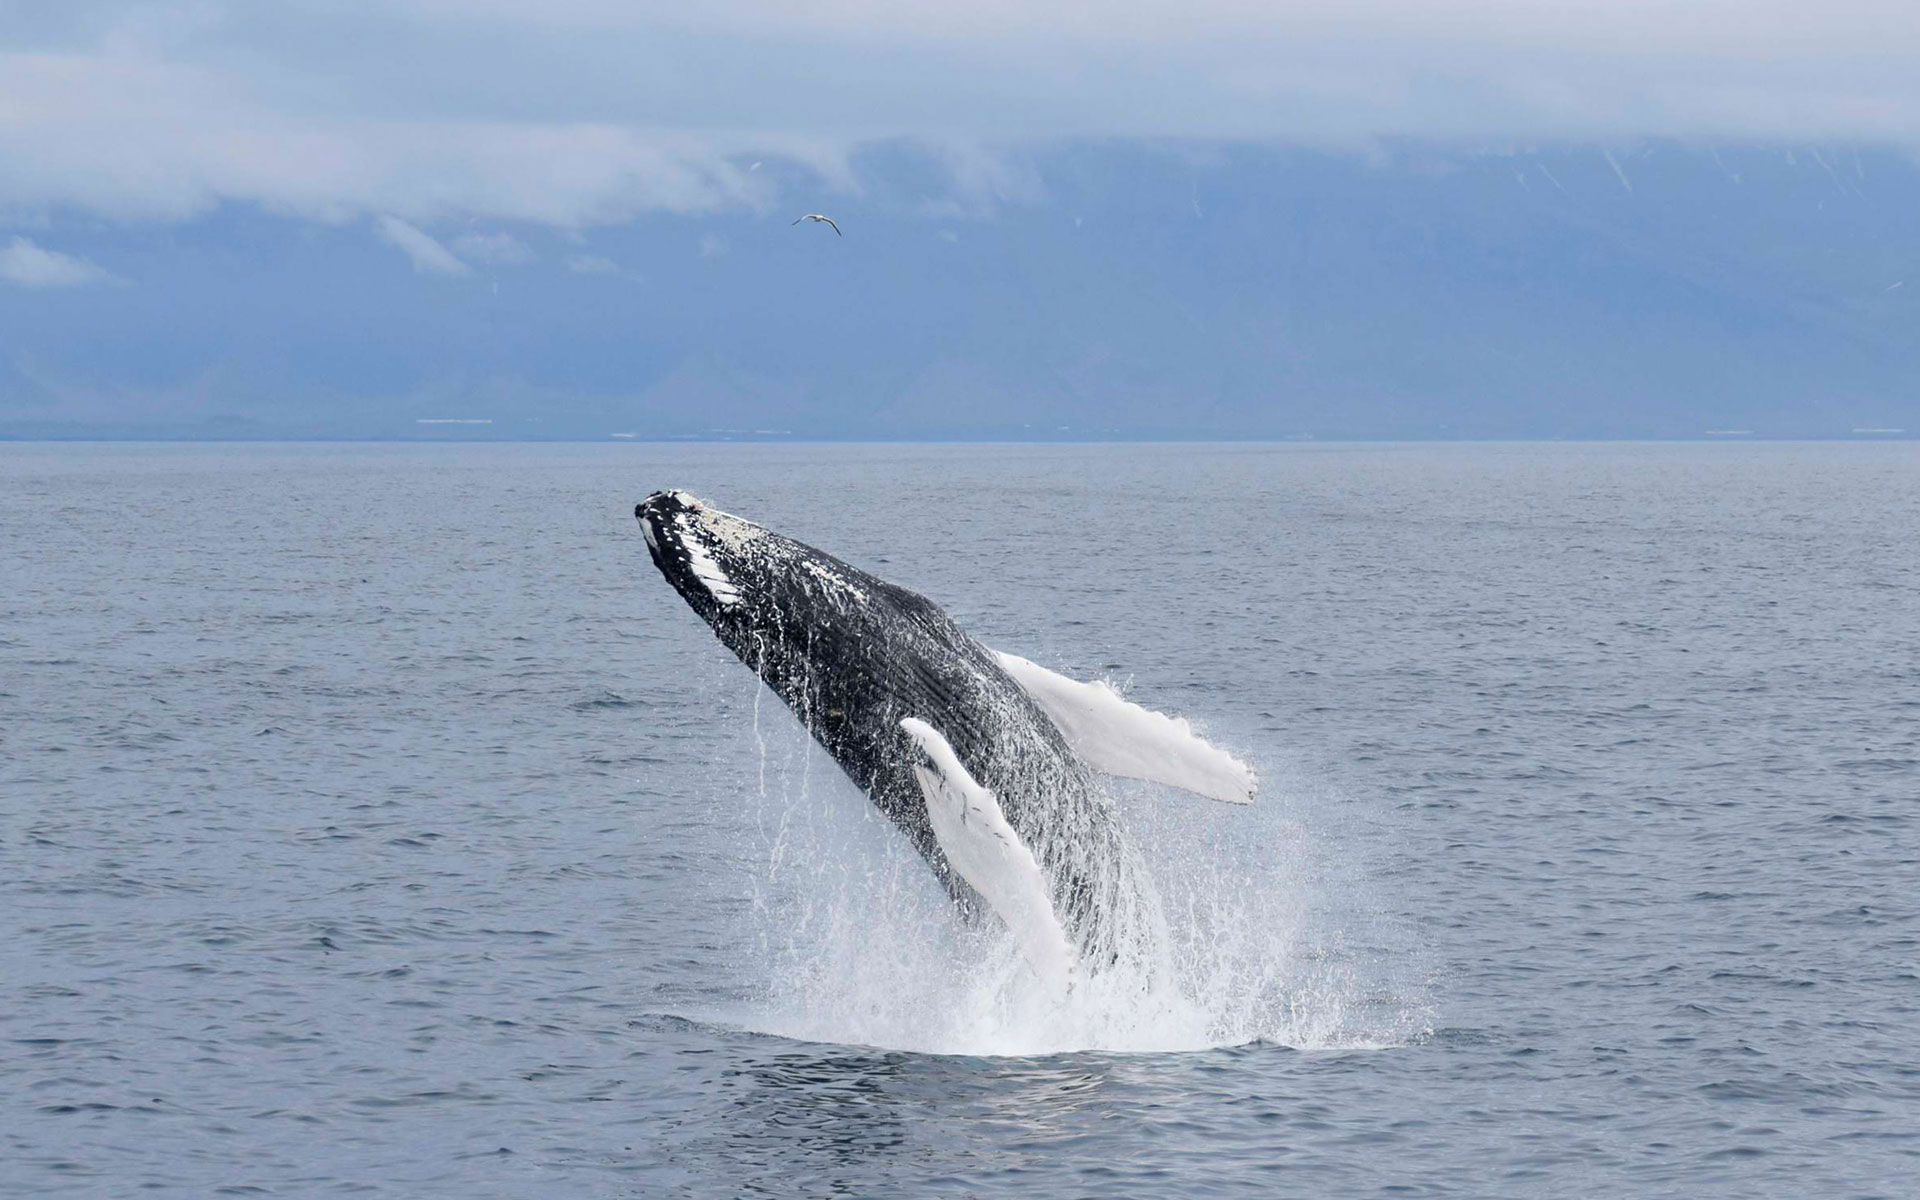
(715,560)
(727,567)
(783,607)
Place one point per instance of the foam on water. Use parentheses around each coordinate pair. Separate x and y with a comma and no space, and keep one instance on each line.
(852,941)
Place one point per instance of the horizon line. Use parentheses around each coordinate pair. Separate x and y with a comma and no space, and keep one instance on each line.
(1716,437)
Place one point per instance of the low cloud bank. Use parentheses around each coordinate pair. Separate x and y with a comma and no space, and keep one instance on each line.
(578,113)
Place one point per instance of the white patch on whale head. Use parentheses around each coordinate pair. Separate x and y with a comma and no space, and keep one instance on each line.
(730,531)
(704,567)
(737,534)
(698,520)
(833,580)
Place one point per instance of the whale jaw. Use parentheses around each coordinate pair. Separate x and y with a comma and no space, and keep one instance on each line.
(701,550)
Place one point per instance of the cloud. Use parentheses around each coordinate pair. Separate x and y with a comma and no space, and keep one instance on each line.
(429,257)
(26,265)
(573,113)
(592,264)
(494,249)
(135,139)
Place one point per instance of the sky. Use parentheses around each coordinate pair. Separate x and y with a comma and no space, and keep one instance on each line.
(161,158)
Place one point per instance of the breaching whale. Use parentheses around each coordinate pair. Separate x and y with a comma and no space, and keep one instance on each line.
(985,761)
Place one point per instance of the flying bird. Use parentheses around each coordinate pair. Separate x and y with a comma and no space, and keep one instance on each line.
(818,217)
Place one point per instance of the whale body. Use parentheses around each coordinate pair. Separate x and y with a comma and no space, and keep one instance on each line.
(985,761)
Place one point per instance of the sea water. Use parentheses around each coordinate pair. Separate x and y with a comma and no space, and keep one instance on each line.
(374,818)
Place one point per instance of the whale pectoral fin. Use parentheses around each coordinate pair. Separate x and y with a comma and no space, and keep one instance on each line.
(1119,737)
(974,835)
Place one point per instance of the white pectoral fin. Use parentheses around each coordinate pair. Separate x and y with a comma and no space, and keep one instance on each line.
(1119,737)
(974,835)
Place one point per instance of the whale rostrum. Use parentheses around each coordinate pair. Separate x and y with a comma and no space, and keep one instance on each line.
(985,761)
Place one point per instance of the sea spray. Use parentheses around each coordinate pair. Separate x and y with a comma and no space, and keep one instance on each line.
(1237,936)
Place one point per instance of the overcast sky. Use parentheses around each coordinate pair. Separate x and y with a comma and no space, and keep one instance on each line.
(1239,217)
(580,113)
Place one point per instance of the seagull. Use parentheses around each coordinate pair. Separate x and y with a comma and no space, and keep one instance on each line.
(818,217)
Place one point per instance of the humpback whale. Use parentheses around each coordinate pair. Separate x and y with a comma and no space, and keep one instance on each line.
(986,761)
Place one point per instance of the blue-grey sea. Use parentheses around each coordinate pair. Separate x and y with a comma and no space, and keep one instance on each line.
(375,819)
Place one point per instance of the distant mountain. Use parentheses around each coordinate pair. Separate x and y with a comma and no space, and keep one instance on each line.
(1123,290)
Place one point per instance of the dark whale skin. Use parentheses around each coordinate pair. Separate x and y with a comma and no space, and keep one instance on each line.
(853,655)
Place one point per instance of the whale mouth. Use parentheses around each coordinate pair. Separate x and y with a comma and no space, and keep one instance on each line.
(648,513)
(676,526)
(660,514)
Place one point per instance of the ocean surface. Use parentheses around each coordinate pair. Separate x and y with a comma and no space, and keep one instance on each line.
(375,819)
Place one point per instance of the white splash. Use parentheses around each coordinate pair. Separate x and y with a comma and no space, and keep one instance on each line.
(1263,935)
